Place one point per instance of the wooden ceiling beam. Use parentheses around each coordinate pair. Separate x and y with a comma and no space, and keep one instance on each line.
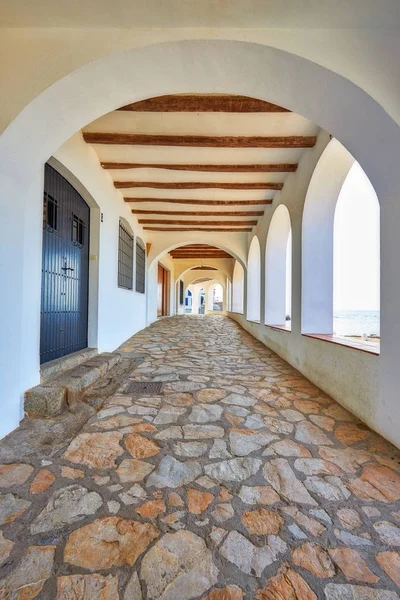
(196,185)
(199,202)
(204,103)
(206,223)
(198,252)
(189,229)
(201,141)
(259,168)
(190,213)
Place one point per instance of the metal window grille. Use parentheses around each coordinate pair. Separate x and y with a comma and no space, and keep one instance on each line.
(181,298)
(78,228)
(140,268)
(50,212)
(125,259)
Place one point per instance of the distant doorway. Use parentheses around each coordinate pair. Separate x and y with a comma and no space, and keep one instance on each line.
(162,291)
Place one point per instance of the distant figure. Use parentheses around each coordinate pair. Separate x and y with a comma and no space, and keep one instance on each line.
(364,337)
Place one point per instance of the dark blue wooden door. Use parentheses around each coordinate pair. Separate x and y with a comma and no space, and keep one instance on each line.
(65,269)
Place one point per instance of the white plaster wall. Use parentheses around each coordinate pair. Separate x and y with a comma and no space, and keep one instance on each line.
(350,376)
(121,312)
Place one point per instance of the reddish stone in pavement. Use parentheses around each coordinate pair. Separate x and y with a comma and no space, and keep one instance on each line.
(42,481)
(87,587)
(377,482)
(140,447)
(352,565)
(15,474)
(315,559)
(198,501)
(286,585)
(152,509)
(108,542)
(262,522)
(350,433)
(390,563)
(230,592)
(95,450)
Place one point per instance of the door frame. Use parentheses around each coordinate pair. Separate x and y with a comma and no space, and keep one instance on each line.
(94,244)
(166,287)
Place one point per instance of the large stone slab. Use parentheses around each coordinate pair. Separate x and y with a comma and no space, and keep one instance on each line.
(343,591)
(15,474)
(67,505)
(178,566)
(87,587)
(236,469)
(204,413)
(245,441)
(281,476)
(11,507)
(95,450)
(249,558)
(109,542)
(172,473)
(27,580)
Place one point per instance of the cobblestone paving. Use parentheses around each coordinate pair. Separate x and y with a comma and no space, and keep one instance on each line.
(238,480)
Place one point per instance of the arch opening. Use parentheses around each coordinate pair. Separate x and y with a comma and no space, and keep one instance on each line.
(278,269)
(254,281)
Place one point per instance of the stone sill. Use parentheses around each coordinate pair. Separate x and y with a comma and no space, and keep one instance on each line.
(368,347)
(280,327)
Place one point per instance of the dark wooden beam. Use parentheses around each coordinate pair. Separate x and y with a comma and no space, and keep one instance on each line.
(200,256)
(204,268)
(196,185)
(190,213)
(206,223)
(197,252)
(236,230)
(198,202)
(267,168)
(201,141)
(203,103)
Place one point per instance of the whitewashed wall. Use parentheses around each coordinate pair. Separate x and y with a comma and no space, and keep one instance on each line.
(350,376)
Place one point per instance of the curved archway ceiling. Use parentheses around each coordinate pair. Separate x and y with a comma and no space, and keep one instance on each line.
(193,162)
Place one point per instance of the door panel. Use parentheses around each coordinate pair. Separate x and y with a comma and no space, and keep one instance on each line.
(162,291)
(65,269)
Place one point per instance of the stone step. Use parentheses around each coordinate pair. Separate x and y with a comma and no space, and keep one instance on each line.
(56,395)
(53,368)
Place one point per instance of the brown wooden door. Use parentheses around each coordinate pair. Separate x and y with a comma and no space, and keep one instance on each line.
(162,291)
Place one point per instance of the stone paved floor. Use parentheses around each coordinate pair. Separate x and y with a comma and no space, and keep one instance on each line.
(239,480)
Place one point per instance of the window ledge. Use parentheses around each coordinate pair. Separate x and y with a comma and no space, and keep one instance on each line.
(368,347)
(280,327)
(253,321)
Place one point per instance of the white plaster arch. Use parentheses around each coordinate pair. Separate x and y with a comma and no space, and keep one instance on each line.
(234,247)
(254,281)
(317,237)
(238,288)
(194,266)
(275,266)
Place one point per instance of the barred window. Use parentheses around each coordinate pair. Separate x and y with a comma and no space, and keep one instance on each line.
(140,267)
(125,258)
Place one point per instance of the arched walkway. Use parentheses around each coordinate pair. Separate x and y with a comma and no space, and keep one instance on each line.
(255,70)
(188,480)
